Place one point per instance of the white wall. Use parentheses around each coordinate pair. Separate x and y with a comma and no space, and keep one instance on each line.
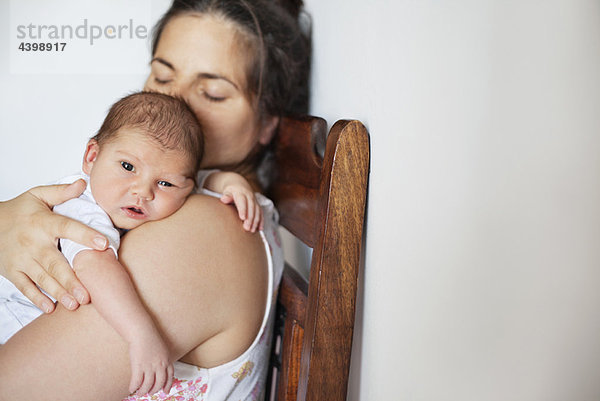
(481,276)
(63,95)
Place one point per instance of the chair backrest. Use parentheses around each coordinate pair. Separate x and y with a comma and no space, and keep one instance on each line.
(319,187)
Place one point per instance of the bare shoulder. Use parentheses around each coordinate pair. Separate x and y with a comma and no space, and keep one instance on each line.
(204,228)
(200,262)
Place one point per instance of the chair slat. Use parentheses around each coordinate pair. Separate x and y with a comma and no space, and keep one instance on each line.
(296,175)
(290,367)
(293,293)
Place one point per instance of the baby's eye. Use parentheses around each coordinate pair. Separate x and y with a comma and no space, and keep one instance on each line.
(165,184)
(127,166)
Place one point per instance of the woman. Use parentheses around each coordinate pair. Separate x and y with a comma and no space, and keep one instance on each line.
(240,64)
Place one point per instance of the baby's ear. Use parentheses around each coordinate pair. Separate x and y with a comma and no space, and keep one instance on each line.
(91,154)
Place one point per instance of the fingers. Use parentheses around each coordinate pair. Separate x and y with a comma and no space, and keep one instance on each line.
(159,381)
(137,378)
(28,252)
(43,279)
(63,226)
(248,222)
(258,218)
(31,291)
(249,211)
(60,281)
(167,388)
(241,203)
(244,204)
(147,384)
(152,382)
(254,218)
(226,198)
(76,231)
(53,195)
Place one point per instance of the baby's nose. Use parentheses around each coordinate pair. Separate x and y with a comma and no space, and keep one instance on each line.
(143,191)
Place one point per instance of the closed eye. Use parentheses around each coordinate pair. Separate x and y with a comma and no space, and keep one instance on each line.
(127,166)
(213,98)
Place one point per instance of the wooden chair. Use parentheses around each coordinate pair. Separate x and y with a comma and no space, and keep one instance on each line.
(321,200)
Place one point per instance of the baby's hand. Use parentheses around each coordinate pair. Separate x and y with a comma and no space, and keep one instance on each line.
(235,188)
(151,370)
(247,205)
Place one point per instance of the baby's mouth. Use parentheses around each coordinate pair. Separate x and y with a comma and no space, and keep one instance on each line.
(134,212)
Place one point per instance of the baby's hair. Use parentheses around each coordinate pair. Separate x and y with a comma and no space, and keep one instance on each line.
(166,119)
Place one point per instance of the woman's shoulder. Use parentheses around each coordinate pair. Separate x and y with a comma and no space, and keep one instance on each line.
(200,262)
(211,227)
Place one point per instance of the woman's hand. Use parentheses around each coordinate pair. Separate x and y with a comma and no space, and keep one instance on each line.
(29,231)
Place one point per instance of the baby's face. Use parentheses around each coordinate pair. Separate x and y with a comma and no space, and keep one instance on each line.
(135,180)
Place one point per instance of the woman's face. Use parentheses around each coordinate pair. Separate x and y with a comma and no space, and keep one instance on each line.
(197,59)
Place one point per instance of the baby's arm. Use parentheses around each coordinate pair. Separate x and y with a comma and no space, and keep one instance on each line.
(236,189)
(114,297)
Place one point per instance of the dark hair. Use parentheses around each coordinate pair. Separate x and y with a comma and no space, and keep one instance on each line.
(279,75)
(167,120)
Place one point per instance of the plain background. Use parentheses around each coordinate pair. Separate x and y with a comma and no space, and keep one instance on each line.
(481,269)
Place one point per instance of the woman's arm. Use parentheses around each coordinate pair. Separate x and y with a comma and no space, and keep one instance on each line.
(202,278)
(28,254)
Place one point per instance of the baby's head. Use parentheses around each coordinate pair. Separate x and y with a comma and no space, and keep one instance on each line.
(143,161)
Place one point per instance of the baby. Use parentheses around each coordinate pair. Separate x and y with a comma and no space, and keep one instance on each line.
(141,166)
